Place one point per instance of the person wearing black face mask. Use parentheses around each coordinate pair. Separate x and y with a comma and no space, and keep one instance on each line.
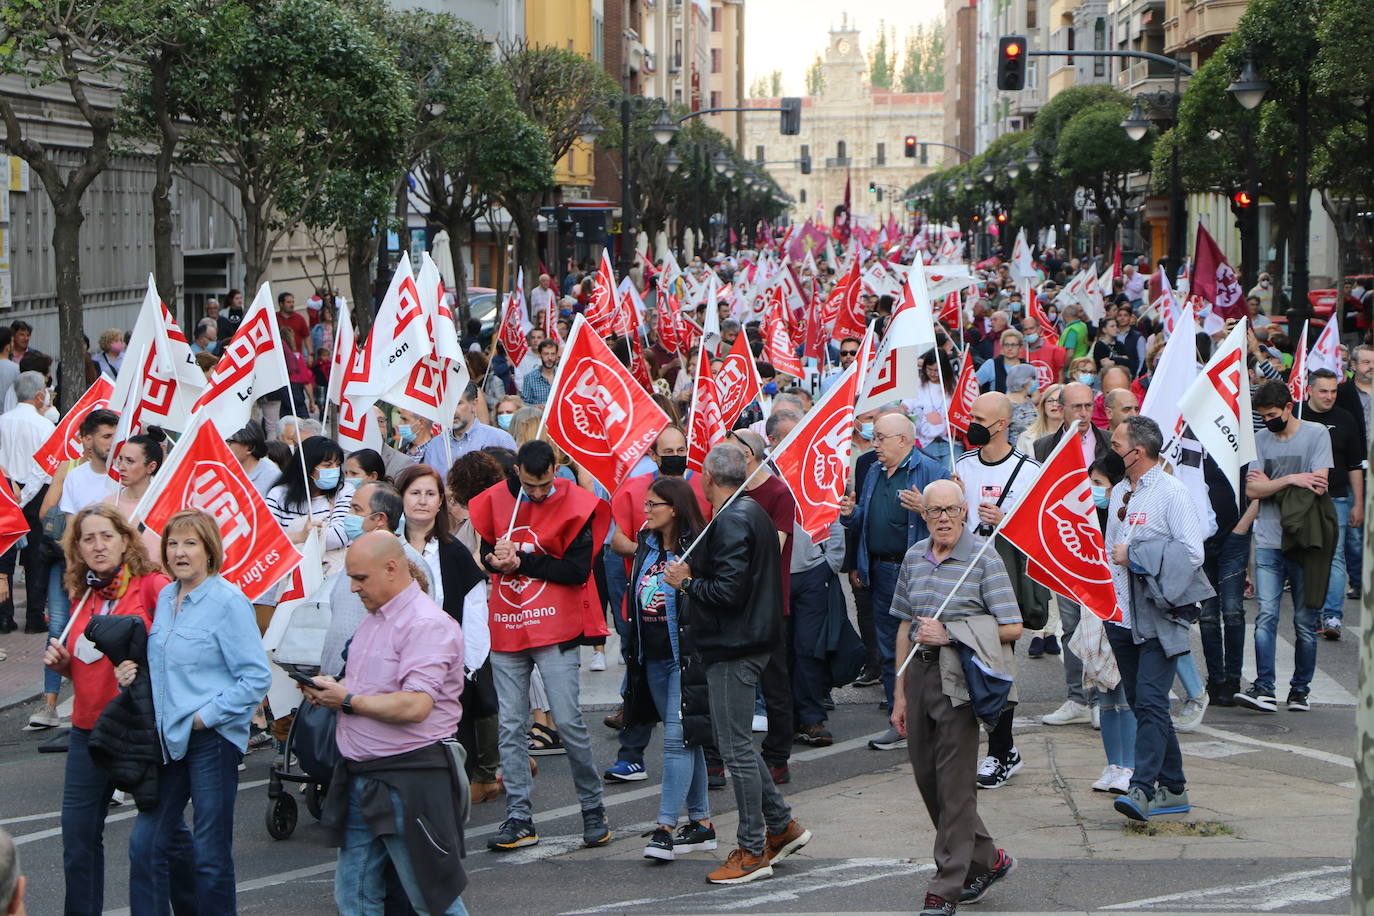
(669,452)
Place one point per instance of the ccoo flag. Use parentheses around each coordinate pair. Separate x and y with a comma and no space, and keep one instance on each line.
(1217,406)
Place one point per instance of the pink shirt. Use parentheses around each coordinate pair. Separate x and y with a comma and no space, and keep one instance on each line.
(408,644)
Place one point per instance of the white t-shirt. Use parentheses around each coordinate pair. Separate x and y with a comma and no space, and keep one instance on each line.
(83,487)
(984,483)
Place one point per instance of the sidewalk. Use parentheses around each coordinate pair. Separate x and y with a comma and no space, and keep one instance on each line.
(21,672)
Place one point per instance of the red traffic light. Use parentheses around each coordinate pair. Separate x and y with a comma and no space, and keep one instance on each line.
(1001,217)
(1013,49)
(910,141)
(1242,199)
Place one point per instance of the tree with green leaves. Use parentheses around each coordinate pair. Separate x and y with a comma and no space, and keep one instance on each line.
(555,88)
(1344,163)
(815,77)
(923,59)
(882,60)
(1094,153)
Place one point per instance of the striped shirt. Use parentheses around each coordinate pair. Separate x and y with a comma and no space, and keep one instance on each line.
(1160,507)
(923,584)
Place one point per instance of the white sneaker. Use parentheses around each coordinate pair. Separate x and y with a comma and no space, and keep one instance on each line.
(598,660)
(119,798)
(1104,782)
(760,724)
(1097,718)
(44,716)
(1071,713)
(1122,783)
(1190,714)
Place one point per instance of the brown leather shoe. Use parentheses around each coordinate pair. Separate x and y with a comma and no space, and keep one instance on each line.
(779,846)
(616,720)
(740,868)
(534,767)
(485,791)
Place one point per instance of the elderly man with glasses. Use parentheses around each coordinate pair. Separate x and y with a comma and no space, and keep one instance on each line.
(887,518)
(1077,401)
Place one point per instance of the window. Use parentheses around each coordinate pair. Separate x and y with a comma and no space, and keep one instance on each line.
(839,150)
(598,39)
(677,96)
(758,153)
(715,98)
(803,195)
(1100,44)
(715,60)
(1030,13)
(805,151)
(677,53)
(1071,45)
(882,153)
(715,19)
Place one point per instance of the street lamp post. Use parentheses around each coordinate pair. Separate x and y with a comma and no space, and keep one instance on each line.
(663,130)
(1137,125)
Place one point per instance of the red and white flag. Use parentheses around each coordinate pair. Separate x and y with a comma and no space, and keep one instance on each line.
(895,371)
(1217,406)
(345,348)
(399,339)
(738,382)
(845,307)
(669,323)
(1173,376)
(201,473)
(1048,335)
(1022,266)
(706,430)
(1055,526)
(604,310)
(438,376)
(597,413)
(814,458)
(1213,279)
(777,343)
(961,402)
(159,379)
(950,315)
(1326,352)
(514,327)
(253,364)
(65,442)
(1297,378)
(13,525)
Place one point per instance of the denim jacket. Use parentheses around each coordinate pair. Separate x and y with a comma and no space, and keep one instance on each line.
(205,658)
(920,471)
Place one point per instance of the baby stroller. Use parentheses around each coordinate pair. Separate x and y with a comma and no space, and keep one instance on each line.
(295,642)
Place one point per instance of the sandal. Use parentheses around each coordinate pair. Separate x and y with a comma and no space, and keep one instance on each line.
(545,742)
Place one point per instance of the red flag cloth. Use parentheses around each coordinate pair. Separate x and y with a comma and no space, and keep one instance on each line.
(669,319)
(1116,262)
(1055,526)
(814,458)
(203,474)
(1213,279)
(527,613)
(598,414)
(778,345)
(513,328)
(844,305)
(13,525)
(639,368)
(738,382)
(961,402)
(1048,334)
(814,330)
(1297,379)
(551,323)
(707,428)
(949,312)
(603,311)
(65,442)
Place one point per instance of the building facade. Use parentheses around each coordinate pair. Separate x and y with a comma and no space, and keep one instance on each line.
(961,70)
(852,133)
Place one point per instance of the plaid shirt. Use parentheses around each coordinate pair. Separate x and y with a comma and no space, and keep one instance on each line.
(535,388)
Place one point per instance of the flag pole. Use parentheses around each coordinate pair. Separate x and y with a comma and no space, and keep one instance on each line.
(944,396)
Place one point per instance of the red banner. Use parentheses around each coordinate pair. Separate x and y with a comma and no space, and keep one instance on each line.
(1055,526)
(65,442)
(13,525)
(203,474)
(738,382)
(597,412)
(965,390)
(845,306)
(814,458)
(707,427)
(1048,335)
(604,310)
(513,328)
(778,344)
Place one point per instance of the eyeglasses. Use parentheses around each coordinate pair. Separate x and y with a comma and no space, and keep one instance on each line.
(883,437)
(1126,501)
(650,504)
(941,511)
(1054,402)
(849,352)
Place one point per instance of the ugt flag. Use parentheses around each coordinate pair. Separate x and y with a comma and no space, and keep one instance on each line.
(65,442)
(1055,526)
(738,382)
(201,473)
(597,412)
(707,429)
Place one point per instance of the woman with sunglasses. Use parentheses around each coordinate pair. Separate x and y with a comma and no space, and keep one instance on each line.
(661,671)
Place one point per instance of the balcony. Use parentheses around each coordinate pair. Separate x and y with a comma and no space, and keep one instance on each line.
(1192,22)
(878,161)
(1144,75)
(838,162)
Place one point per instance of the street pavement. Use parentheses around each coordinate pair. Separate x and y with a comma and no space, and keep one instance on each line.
(1271,829)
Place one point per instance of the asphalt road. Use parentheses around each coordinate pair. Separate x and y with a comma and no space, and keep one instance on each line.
(873,839)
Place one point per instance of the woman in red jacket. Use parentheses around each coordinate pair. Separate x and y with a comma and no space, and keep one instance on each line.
(108,572)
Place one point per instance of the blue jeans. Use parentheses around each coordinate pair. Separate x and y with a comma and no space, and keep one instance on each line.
(1146,675)
(1354,555)
(635,739)
(1189,677)
(882,582)
(1335,589)
(684,768)
(360,876)
(1118,727)
(1272,571)
(1223,616)
(59,609)
(86,793)
(208,778)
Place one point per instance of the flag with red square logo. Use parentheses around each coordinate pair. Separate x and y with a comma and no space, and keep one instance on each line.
(65,442)
(253,364)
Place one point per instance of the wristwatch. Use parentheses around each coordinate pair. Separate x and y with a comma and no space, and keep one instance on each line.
(346,707)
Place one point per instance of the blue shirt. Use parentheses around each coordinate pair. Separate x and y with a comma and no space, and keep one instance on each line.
(205,658)
(441,453)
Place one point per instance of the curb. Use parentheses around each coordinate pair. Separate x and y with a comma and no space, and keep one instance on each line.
(19,698)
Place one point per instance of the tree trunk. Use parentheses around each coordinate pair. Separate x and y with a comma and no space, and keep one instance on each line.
(66,252)
(362,248)
(164,268)
(457,246)
(524,217)
(255,253)
(403,216)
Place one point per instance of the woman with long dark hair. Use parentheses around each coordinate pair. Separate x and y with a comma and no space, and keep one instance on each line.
(663,681)
(928,408)
(139,459)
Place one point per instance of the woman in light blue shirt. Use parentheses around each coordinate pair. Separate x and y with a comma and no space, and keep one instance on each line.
(208,672)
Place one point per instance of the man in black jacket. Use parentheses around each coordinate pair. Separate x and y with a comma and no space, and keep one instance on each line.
(734,620)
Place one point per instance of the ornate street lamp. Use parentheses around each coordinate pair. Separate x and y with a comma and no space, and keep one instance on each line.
(589,129)
(1136,126)
(1032,161)
(673,162)
(664,127)
(1249,88)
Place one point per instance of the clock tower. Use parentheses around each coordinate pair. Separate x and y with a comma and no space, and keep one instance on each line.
(844,65)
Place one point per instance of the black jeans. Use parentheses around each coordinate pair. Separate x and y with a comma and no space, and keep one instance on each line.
(810,675)
(863,610)
(1223,616)
(34,559)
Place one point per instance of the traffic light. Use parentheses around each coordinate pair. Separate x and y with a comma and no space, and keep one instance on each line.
(806,165)
(1001,217)
(873,187)
(791,117)
(1242,200)
(1011,62)
(924,150)
(910,147)
(880,195)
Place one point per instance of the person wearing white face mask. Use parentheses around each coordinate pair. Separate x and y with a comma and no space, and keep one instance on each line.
(1264,292)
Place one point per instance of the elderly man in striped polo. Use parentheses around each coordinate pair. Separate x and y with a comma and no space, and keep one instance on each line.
(931,704)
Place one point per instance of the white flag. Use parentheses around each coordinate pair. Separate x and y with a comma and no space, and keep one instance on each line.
(1326,352)
(253,364)
(1217,406)
(398,341)
(895,373)
(1174,375)
(342,358)
(1022,267)
(434,383)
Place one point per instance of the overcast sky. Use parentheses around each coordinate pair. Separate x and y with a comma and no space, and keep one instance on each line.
(786,35)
